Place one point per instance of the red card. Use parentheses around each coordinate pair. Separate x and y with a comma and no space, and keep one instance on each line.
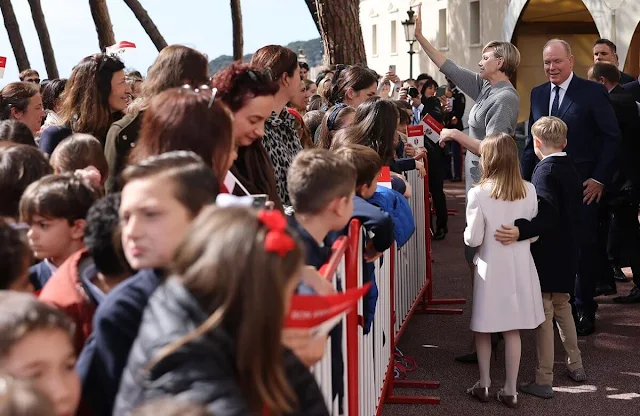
(3,65)
(322,312)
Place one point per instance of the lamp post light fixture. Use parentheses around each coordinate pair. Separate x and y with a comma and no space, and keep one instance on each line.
(410,36)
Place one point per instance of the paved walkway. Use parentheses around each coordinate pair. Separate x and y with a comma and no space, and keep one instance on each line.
(611,355)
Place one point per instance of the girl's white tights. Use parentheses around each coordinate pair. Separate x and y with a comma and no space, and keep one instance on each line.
(512,349)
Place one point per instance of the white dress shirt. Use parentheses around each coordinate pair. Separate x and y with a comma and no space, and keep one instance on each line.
(562,92)
(555,154)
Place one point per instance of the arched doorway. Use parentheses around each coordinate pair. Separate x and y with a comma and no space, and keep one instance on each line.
(540,21)
(632,63)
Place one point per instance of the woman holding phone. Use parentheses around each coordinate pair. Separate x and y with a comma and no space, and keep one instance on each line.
(495,110)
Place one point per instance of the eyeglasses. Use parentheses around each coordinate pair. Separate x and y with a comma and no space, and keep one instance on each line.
(201,89)
(34,80)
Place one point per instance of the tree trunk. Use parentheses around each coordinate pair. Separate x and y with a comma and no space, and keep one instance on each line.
(147,24)
(238,37)
(341,33)
(15,38)
(45,40)
(100,14)
(311,5)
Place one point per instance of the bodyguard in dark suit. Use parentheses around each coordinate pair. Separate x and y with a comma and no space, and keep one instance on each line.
(606,51)
(593,137)
(633,88)
(622,199)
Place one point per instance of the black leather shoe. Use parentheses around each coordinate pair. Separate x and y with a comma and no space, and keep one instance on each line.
(619,275)
(440,234)
(585,325)
(471,358)
(605,290)
(632,297)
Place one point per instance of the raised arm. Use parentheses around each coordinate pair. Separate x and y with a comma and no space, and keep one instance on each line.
(434,54)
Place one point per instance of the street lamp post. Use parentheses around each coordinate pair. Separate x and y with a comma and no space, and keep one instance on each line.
(410,36)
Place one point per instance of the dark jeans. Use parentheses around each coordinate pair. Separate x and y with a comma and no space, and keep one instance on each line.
(456,155)
(435,159)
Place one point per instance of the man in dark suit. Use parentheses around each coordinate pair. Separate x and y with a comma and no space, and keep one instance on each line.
(593,137)
(621,229)
(633,88)
(606,51)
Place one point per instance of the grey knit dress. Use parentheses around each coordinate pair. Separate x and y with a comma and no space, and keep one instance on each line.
(495,111)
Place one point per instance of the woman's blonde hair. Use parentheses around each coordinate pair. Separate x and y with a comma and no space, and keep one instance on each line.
(501,168)
(508,52)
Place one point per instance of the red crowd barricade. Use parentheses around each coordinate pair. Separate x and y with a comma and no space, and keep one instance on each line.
(405,286)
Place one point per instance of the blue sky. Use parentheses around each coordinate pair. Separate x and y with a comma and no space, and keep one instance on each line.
(201,24)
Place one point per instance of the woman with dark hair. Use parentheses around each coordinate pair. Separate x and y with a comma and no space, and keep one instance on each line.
(187,119)
(94,97)
(250,95)
(51,101)
(22,101)
(338,117)
(280,137)
(176,65)
(352,85)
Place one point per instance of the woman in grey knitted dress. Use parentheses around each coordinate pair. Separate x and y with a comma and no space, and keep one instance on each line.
(497,101)
(495,110)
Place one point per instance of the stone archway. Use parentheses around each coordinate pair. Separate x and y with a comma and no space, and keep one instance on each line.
(539,21)
(632,61)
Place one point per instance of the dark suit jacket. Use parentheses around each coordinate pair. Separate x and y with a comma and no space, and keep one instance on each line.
(626,78)
(627,174)
(634,89)
(39,275)
(559,190)
(115,327)
(593,134)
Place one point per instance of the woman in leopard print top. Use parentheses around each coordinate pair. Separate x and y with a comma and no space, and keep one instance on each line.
(280,137)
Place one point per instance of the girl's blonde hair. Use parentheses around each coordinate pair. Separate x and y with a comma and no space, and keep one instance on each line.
(501,168)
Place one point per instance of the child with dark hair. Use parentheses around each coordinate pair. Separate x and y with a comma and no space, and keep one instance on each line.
(79,151)
(377,222)
(313,119)
(55,208)
(84,279)
(17,132)
(15,258)
(20,165)
(36,344)
(51,100)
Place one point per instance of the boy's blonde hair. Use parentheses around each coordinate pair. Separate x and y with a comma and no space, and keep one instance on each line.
(501,168)
(551,131)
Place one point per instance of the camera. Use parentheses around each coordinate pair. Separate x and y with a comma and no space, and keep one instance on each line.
(413,92)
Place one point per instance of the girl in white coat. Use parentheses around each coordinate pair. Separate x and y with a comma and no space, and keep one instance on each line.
(506,292)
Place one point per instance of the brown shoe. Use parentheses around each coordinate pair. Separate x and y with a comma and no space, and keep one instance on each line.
(480,393)
(509,401)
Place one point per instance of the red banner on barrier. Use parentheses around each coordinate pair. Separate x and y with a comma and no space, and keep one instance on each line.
(322,313)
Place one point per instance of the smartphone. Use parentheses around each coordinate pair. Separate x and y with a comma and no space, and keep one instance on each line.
(392,69)
(259,201)
(441,91)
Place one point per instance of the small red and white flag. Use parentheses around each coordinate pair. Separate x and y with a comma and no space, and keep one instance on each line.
(384,179)
(120,47)
(3,65)
(415,135)
(432,128)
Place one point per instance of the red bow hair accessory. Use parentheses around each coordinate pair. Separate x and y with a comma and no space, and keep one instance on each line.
(277,240)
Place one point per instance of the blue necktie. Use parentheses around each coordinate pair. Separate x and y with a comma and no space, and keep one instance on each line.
(556,102)
(416,116)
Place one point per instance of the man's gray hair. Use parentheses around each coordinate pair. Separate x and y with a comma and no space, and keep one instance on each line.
(564,43)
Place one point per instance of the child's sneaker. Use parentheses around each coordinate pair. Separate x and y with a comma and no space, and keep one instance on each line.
(578,374)
(544,391)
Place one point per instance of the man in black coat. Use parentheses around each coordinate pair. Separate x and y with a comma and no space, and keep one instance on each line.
(556,253)
(606,51)
(593,137)
(621,200)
